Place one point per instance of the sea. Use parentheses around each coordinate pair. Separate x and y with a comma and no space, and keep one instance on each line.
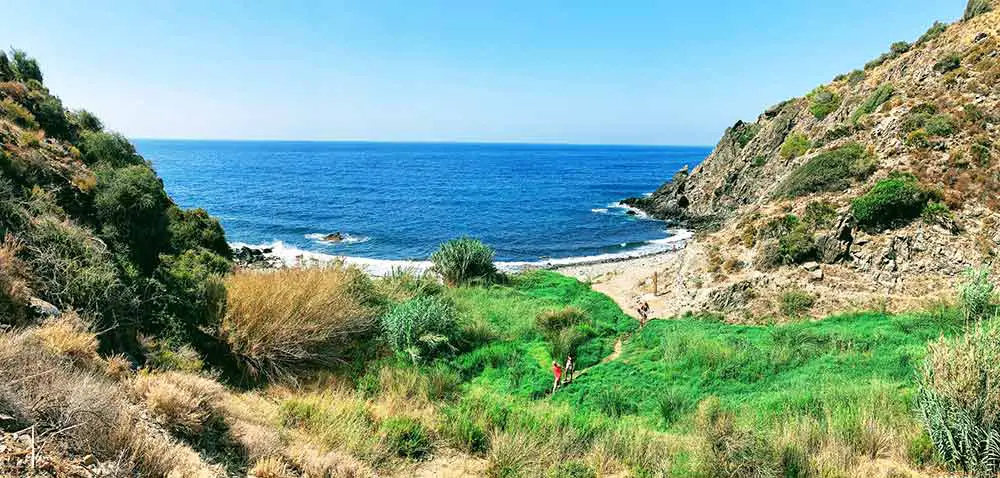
(395,203)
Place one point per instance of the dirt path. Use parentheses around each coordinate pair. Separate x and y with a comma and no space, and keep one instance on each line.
(617,352)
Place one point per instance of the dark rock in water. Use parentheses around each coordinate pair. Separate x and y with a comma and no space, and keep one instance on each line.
(255,258)
(631,212)
(335,237)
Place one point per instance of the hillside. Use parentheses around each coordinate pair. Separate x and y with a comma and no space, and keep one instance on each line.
(884,181)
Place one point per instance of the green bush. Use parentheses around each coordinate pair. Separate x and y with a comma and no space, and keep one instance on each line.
(795,145)
(900,47)
(111,149)
(937,212)
(464,433)
(957,397)
(855,77)
(876,99)
(566,342)
(933,32)
(822,102)
(406,437)
(420,328)
(744,133)
(819,214)
(981,150)
(919,139)
(672,404)
(131,205)
(84,120)
(894,200)
(23,67)
(940,125)
(828,171)
(194,297)
(196,229)
(463,261)
(795,303)
(950,62)
(837,132)
(975,8)
(976,294)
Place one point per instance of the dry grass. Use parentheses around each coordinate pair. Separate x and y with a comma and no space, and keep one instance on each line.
(271,467)
(68,336)
(183,403)
(281,323)
(75,408)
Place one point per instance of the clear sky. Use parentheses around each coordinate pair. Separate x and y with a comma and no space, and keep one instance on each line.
(580,71)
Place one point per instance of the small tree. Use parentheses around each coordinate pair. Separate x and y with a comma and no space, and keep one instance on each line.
(464,260)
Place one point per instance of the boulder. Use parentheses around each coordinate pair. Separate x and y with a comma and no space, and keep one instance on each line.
(337,237)
(42,308)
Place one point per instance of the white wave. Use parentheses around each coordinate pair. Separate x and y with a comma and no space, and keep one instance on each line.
(345,238)
(599,210)
(291,256)
(636,211)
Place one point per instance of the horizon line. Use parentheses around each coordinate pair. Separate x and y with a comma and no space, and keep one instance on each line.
(370,141)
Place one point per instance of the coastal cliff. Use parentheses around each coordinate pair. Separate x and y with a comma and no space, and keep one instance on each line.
(876,189)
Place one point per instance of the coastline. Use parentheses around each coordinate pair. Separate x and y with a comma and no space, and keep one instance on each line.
(277,254)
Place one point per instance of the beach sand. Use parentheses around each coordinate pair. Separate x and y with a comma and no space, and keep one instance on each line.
(629,282)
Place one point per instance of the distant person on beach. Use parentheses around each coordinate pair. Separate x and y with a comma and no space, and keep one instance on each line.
(643,314)
(568,370)
(557,371)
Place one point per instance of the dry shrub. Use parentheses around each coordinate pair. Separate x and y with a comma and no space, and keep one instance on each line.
(85,412)
(253,423)
(117,367)
(184,403)
(271,467)
(517,453)
(316,463)
(68,336)
(15,294)
(280,323)
(728,450)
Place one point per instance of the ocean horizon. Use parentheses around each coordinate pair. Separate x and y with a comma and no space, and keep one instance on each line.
(395,202)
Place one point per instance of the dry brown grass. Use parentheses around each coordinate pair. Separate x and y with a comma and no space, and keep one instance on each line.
(316,463)
(182,402)
(271,467)
(68,336)
(281,323)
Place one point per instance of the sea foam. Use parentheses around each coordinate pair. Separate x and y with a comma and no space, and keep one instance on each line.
(320,237)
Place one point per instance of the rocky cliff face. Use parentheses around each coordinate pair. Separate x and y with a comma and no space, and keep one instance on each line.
(887,178)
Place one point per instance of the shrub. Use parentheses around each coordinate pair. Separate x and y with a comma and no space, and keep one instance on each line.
(727,450)
(791,243)
(976,294)
(111,149)
(900,47)
(420,328)
(406,437)
(84,120)
(131,205)
(281,323)
(795,145)
(759,161)
(949,63)
(828,171)
(464,260)
(822,102)
(936,212)
(940,125)
(672,404)
(837,132)
(184,403)
(745,133)
(855,77)
(958,396)
(933,32)
(15,293)
(464,433)
(18,114)
(197,296)
(898,198)
(981,150)
(919,139)
(194,229)
(975,8)
(24,67)
(876,99)
(795,303)
(819,214)
(566,342)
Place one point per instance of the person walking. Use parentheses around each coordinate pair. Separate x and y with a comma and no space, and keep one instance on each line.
(557,371)
(568,370)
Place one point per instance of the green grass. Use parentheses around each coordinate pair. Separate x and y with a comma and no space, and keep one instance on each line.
(768,372)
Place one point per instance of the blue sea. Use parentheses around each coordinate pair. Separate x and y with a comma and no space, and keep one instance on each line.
(399,201)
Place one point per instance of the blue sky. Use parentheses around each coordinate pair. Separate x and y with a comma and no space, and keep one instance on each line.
(625,72)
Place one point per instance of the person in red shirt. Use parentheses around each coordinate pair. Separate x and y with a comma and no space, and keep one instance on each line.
(557,371)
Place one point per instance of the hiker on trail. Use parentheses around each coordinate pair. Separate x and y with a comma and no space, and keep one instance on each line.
(557,371)
(644,314)
(568,370)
